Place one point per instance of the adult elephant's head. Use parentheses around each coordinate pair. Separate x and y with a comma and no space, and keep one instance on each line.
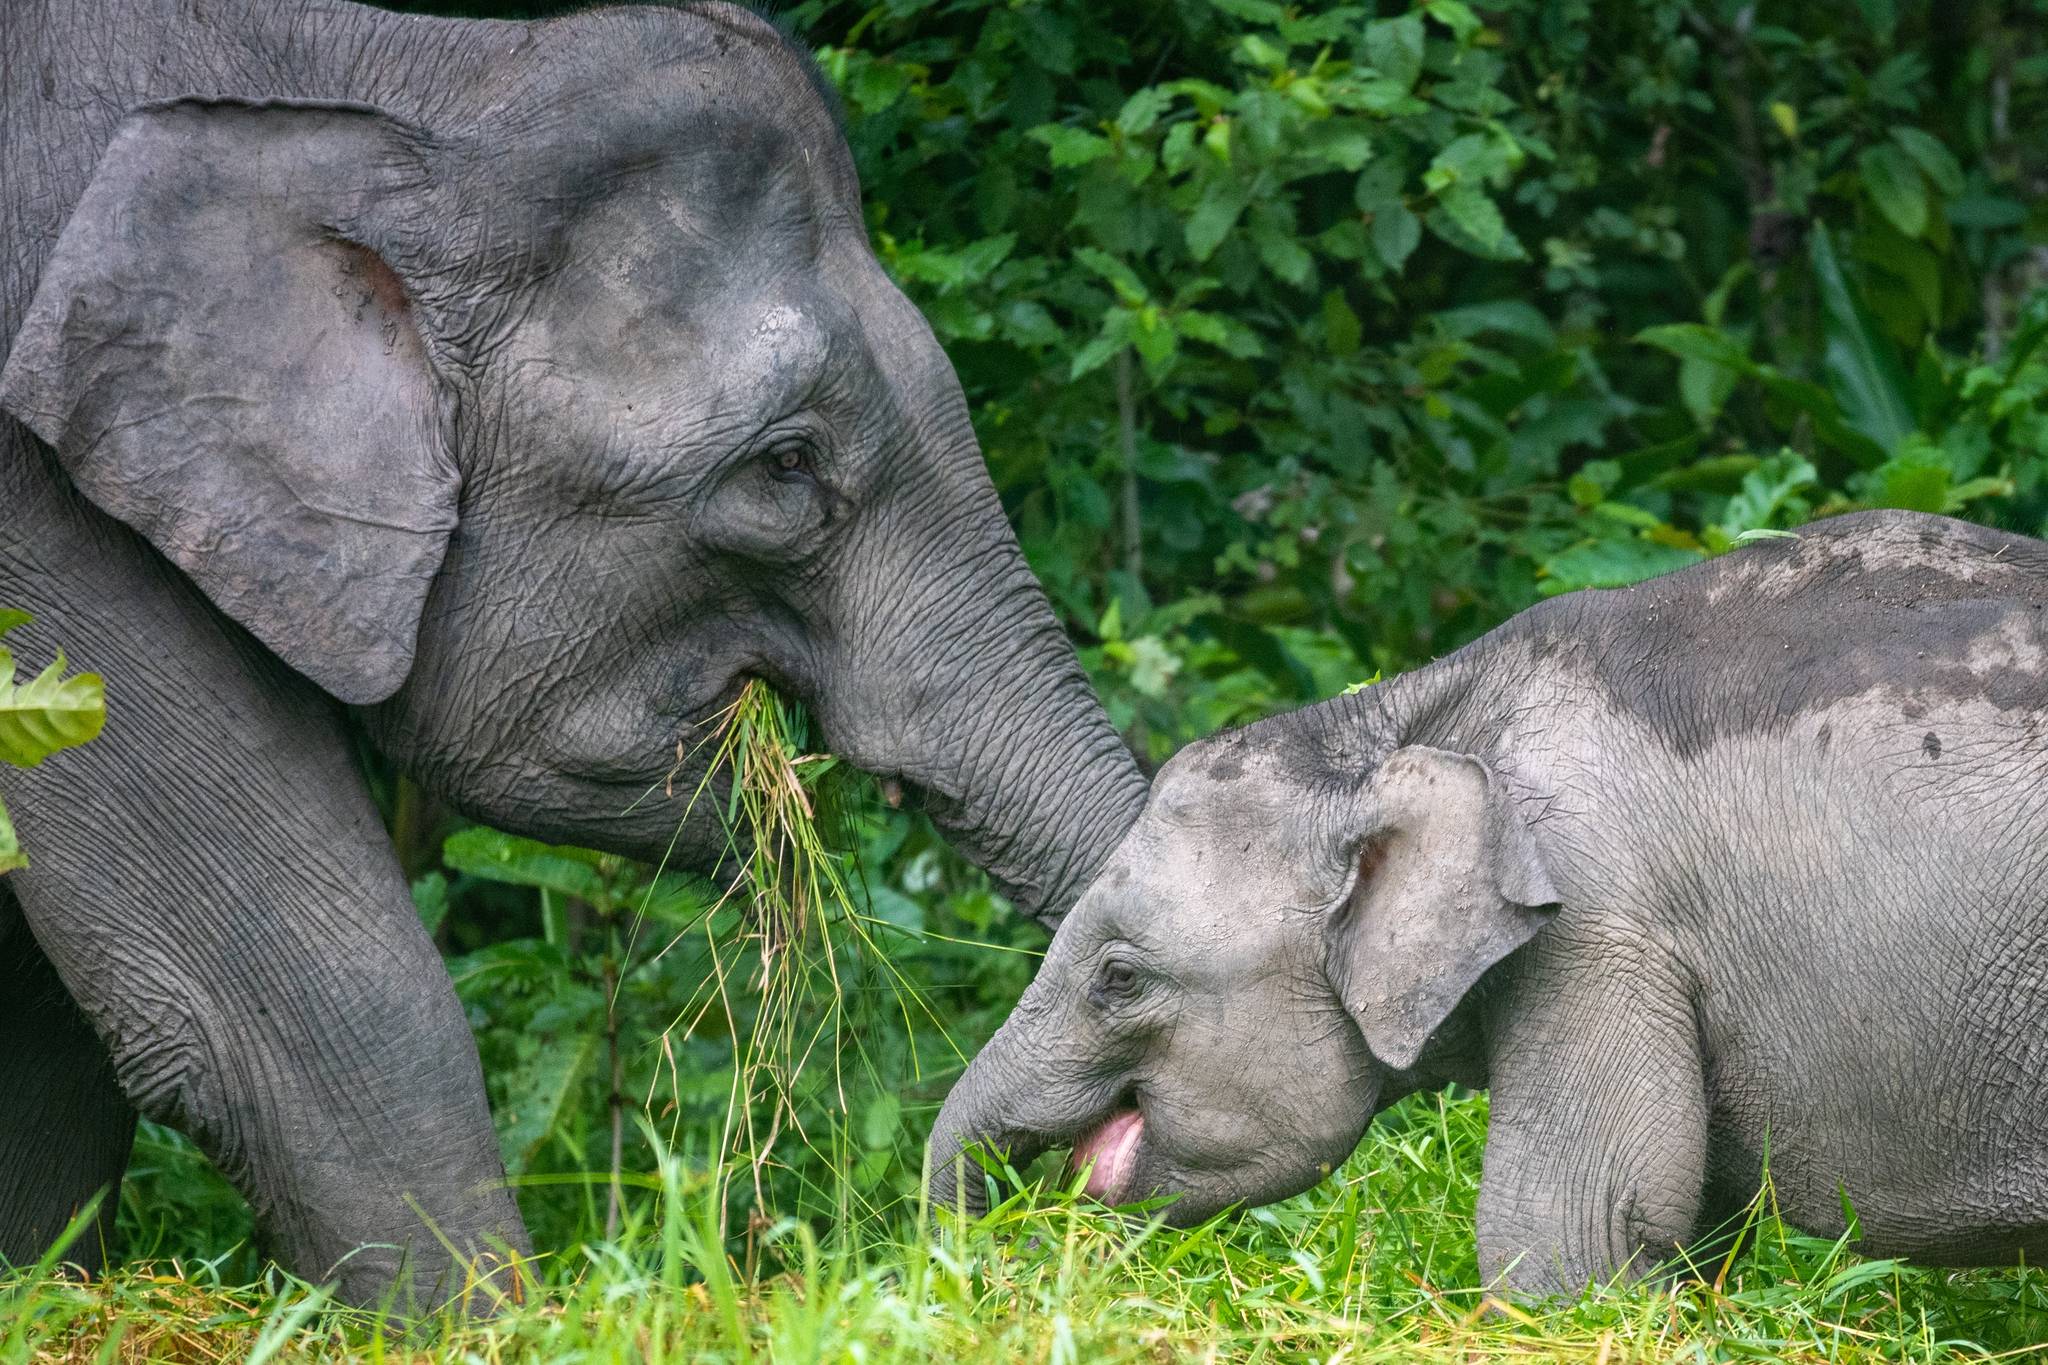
(1257,970)
(536,413)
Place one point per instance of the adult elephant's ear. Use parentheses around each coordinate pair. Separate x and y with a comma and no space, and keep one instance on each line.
(1449,882)
(227,353)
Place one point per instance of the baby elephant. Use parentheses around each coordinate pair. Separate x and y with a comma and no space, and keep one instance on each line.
(1751,858)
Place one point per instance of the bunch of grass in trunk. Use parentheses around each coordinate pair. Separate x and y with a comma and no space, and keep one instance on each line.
(797,929)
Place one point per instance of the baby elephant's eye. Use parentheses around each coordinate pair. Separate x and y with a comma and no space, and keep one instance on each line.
(1117,980)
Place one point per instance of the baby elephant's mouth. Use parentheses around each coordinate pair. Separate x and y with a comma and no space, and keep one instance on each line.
(1113,1150)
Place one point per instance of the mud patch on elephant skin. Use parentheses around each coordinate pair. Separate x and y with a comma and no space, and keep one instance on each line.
(1227,767)
(1931,745)
(1917,610)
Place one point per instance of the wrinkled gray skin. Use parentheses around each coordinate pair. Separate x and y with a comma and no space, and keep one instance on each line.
(1755,852)
(526,387)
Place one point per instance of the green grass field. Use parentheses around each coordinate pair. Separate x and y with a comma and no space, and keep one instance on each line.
(1376,1265)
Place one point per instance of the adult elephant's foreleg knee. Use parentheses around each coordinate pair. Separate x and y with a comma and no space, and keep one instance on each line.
(289,1013)
(326,1067)
(65,1127)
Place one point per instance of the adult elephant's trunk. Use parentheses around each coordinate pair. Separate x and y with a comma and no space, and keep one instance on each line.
(957,680)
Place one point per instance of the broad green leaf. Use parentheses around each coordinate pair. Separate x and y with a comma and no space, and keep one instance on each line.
(1863,370)
(1142,110)
(1071,146)
(1474,215)
(1918,266)
(878,83)
(891,906)
(1820,405)
(524,862)
(1395,234)
(1697,341)
(1394,47)
(1283,255)
(1341,330)
(1455,15)
(1156,342)
(1915,486)
(1308,93)
(1472,160)
(1340,143)
(10,848)
(1200,326)
(1511,317)
(40,718)
(1704,387)
(1896,187)
(1097,353)
(1256,50)
(50,712)
(430,898)
(1213,219)
(1028,323)
(1772,488)
(1987,211)
(1217,139)
(1613,563)
(1935,160)
(539,1097)
(1121,277)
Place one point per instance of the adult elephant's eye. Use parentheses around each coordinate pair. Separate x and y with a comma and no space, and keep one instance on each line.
(790,462)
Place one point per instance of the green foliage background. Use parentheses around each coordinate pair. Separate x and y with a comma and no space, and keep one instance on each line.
(1306,342)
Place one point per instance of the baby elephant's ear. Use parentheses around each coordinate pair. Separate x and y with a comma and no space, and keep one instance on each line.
(225,352)
(1450,881)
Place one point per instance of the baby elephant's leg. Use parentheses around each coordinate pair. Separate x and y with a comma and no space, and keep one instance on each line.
(1596,1153)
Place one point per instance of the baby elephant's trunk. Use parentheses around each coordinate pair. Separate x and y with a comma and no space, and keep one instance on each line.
(958,1181)
(983,1115)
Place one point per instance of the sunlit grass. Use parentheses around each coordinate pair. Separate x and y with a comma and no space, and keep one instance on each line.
(1375,1266)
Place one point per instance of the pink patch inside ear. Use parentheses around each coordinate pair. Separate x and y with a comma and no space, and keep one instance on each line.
(1111,1148)
(384,287)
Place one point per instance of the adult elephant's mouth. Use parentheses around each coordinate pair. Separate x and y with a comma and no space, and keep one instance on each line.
(1109,1151)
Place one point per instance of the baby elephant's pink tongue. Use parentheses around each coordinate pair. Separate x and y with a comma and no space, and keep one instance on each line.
(1110,1147)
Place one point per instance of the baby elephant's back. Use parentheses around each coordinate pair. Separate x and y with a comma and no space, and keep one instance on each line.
(1900,615)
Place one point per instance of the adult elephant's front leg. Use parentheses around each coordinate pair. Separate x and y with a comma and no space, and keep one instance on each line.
(212,883)
(65,1127)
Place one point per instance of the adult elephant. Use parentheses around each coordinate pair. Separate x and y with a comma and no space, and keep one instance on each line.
(526,388)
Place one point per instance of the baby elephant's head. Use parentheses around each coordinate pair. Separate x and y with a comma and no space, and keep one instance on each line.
(1283,930)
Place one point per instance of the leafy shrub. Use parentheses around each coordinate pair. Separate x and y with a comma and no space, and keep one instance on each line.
(1318,339)
(49,713)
